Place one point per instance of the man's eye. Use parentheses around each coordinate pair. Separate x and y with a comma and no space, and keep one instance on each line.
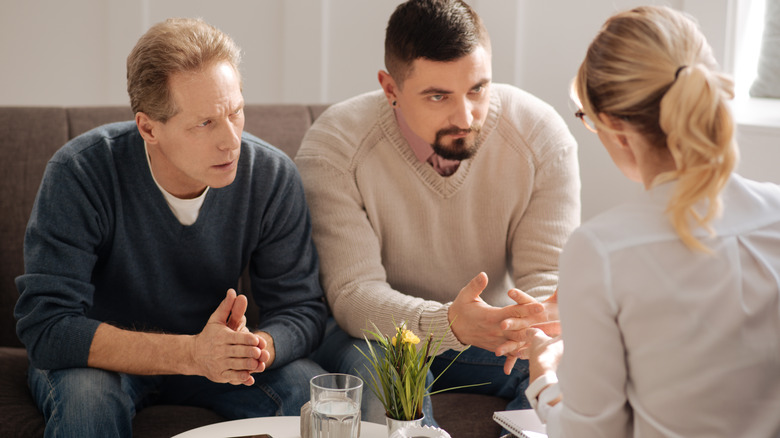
(204,124)
(437,97)
(478,88)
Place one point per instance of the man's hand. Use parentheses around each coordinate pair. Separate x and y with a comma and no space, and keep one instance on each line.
(237,322)
(268,348)
(474,322)
(515,327)
(237,319)
(519,324)
(225,351)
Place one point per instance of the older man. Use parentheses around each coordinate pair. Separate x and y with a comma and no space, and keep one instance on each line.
(138,236)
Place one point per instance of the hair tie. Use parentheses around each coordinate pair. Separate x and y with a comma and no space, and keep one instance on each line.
(679,69)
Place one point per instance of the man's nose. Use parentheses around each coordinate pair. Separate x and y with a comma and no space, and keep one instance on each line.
(230,137)
(463,116)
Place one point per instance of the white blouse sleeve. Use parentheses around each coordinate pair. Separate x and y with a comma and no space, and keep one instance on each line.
(592,373)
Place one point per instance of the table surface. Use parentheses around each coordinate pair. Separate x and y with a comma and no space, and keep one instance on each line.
(277,427)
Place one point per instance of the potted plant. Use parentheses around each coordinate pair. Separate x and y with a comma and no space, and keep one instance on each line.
(399,367)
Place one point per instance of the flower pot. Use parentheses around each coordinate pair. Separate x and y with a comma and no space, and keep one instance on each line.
(393,424)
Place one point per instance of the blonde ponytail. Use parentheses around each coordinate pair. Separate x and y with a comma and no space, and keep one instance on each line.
(652,68)
(699,129)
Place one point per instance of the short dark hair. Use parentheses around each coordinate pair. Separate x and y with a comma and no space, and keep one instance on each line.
(438,30)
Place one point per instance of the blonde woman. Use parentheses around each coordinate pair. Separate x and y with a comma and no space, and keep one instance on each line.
(669,304)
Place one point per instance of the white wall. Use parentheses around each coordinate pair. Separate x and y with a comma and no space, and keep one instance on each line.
(320,51)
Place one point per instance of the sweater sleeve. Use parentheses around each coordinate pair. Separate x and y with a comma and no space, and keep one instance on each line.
(284,272)
(537,237)
(353,276)
(60,251)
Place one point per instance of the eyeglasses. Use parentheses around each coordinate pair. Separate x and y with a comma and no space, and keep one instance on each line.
(586,121)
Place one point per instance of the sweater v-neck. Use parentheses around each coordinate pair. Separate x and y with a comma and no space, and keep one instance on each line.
(156,200)
(445,186)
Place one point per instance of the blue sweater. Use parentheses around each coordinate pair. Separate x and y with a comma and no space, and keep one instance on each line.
(102,245)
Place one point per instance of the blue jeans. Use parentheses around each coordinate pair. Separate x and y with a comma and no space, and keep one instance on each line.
(90,402)
(337,353)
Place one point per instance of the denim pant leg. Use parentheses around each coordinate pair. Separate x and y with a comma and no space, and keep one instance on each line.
(278,391)
(337,354)
(476,365)
(87,402)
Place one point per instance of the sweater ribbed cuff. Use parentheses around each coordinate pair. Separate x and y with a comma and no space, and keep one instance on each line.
(437,321)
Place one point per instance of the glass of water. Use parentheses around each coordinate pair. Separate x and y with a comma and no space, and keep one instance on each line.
(335,405)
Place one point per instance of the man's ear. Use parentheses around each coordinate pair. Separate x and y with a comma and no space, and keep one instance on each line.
(146,127)
(388,86)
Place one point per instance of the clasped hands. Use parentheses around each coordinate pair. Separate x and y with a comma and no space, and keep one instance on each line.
(225,351)
(500,329)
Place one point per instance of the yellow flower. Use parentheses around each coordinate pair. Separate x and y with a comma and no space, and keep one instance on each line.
(407,337)
(410,338)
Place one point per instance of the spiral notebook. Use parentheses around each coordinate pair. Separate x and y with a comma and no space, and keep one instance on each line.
(524,423)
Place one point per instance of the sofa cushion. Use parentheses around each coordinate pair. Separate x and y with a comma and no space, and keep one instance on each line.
(20,416)
(767,83)
(281,125)
(29,137)
(82,119)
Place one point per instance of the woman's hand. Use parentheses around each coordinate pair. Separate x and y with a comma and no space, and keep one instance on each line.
(543,352)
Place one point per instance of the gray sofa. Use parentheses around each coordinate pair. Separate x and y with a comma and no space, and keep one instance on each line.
(28,138)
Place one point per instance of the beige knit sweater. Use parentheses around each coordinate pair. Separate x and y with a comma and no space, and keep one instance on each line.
(397,241)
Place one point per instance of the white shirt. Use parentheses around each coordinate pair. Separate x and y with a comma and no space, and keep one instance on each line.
(185,210)
(660,341)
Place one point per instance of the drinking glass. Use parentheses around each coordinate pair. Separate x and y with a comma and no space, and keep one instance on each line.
(335,405)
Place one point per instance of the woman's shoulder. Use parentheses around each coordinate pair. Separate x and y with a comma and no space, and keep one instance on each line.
(767,193)
(748,204)
(636,222)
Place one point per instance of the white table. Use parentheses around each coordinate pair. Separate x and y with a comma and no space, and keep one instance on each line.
(277,427)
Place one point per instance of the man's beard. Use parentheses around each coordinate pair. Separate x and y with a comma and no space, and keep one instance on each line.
(460,149)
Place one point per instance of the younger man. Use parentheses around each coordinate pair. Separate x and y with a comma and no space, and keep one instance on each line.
(441,179)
